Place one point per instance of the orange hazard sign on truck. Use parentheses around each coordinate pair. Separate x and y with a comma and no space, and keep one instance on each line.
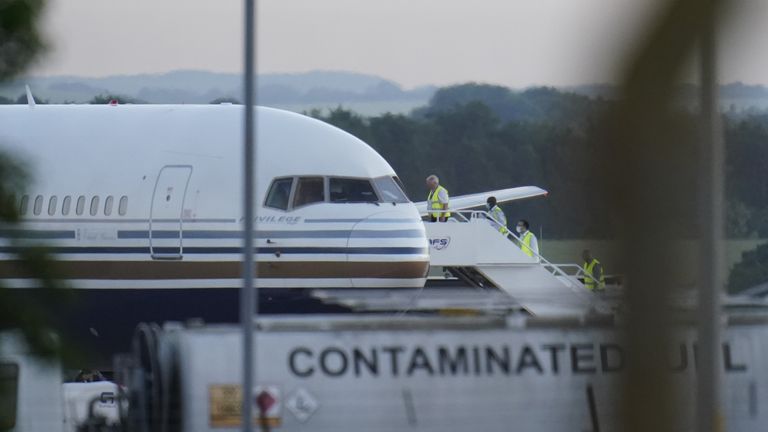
(225,403)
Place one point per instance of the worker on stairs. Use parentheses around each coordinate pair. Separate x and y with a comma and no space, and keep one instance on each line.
(497,219)
(594,276)
(527,240)
(438,200)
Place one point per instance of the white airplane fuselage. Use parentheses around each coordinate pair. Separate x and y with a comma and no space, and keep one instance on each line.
(151,197)
(142,207)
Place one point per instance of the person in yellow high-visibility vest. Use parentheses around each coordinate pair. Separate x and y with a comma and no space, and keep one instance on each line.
(437,199)
(528,243)
(594,277)
(498,218)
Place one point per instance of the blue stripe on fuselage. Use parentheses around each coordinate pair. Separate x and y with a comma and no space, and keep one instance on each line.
(37,234)
(369,220)
(216,234)
(229,250)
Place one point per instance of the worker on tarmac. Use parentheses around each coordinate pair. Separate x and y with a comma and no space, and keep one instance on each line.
(498,219)
(528,243)
(437,199)
(594,277)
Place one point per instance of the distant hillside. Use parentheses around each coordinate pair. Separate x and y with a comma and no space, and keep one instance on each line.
(365,94)
(303,91)
(733,97)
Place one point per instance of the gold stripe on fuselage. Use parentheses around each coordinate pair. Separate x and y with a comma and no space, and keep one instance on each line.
(147,270)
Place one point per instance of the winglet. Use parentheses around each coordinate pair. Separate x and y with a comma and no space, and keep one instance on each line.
(30,98)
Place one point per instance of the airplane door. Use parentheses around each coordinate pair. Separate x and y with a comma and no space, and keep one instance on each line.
(165,214)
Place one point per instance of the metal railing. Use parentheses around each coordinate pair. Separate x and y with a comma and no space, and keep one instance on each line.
(464,216)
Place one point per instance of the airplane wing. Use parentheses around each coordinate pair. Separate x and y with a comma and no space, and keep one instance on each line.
(478,199)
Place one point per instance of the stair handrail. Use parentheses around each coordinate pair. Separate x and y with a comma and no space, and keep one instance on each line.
(549,266)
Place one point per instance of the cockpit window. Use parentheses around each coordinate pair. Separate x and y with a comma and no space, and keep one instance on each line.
(309,190)
(390,191)
(279,194)
(346,190)
(401,185)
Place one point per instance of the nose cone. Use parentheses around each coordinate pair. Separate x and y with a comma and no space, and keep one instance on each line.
(389,249)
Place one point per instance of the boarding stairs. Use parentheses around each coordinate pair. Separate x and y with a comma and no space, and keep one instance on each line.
(469,248)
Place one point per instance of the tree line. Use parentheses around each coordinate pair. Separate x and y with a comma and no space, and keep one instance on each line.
(482,137)
(96,100)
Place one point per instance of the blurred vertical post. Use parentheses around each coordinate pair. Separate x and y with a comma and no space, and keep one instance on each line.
(708,406)
(650,173)
(247,294)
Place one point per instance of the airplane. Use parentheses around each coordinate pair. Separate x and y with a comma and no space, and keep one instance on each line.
(141,205)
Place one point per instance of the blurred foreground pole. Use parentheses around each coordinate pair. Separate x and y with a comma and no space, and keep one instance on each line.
(709,376)
(247,294)
(649,169)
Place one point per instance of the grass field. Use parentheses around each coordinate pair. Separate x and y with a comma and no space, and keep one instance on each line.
(569,251)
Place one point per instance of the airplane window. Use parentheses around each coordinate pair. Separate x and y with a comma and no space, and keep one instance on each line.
(24,204)
(80,206)
(108,205)
(401,186)
(346,190)
(122,206)
(309,190)
(94,205)
(52,205)
(278,194)
(390,191)
(9,394)
(38,205)
(65,205)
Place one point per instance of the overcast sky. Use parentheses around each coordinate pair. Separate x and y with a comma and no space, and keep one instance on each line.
(414,42)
